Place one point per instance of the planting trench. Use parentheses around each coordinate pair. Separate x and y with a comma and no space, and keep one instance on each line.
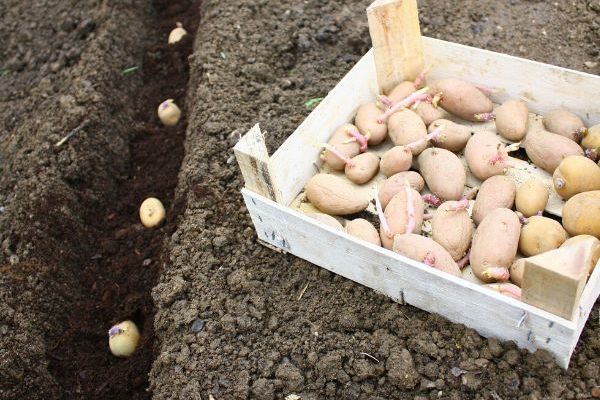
(230,321)
(75,257)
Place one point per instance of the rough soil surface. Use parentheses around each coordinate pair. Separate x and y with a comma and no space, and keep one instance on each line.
(228,321)
(75,258)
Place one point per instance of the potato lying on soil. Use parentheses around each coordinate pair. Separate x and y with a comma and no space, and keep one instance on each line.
(401,91)
(397,159)
(591,140)
(495,244)
(363,168)
(123,338)
(576,174)
(531,198)
(581,214)
(564,123)
(452,228)
(547,149)
(443,172)
(427,251)
(396,183)
(461,98)
(429,113)
(486,155)
(517,269)
(366,122)
(327,220)
(340,141)
(169,113)
(406,127)
(397,215)
(152,212)
(595,244)
(512,120)
(540,234)
(496,192)
(363,229)
(454,136)
(334,195)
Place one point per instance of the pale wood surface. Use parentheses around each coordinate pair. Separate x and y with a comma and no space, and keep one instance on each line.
(397,44)
(404,280)
(554,280)
(255,164)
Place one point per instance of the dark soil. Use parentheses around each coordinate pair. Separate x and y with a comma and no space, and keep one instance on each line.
(228,321)
(81,260)
(259,61)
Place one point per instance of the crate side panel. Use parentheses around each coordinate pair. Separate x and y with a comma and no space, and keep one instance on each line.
(404,280)
(545,87)
(588,299)
(293,161)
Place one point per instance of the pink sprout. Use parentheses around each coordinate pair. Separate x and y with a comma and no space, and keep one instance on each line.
(164,105)
(464,261)
(436,135)
(498,273)
(337,153)
(420,79)
(427,217)
(419,95)
(500,156)
(382,220)
(385,101)
(429,259)
(432,199)
(362,140)
(507,289)
(460,205)
(560,183)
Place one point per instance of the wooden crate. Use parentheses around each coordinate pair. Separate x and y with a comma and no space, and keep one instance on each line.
(273,183)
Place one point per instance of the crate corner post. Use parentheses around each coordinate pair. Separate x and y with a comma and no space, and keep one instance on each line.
(255,164)
(397,44)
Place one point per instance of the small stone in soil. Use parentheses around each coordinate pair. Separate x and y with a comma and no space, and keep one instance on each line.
(197,325)
(146,262)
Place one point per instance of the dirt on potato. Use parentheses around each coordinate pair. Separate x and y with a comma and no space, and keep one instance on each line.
(220,315)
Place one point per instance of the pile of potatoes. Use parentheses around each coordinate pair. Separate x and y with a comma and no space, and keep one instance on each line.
(504,224)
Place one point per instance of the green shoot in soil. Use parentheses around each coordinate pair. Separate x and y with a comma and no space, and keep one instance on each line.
(130,70)
(313,102)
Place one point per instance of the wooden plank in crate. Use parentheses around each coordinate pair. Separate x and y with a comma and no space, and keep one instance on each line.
(407,281)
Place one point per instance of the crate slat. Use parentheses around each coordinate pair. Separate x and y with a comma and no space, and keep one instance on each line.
(407,281)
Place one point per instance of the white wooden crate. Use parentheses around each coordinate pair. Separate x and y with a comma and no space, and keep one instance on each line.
(273,182)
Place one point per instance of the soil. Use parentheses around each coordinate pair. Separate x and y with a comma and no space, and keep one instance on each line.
(228,320)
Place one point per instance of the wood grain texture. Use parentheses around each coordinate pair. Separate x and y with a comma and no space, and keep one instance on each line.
(396,38)
(255,164)
(407,281)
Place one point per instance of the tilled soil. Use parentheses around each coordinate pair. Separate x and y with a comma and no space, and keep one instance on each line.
(75,256)
(230,321)
(259,61)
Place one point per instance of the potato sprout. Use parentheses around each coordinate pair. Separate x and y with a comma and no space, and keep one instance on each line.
(123,339)
(169,113)
(177,34)
(152,212)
